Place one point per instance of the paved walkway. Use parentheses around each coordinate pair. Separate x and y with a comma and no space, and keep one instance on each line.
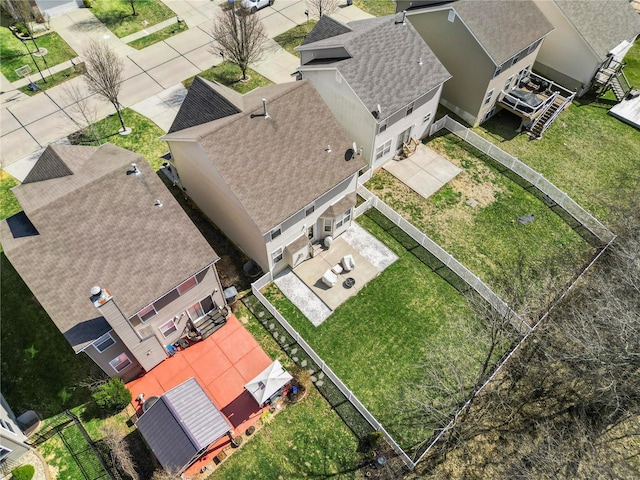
(152,75)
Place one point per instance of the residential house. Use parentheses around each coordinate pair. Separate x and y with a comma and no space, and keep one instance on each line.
(272,168)
(13,442)
(111,256)
(378,77)
(488,46)
(588,44)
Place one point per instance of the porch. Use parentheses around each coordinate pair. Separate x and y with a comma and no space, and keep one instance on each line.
(537,100)
(304,286)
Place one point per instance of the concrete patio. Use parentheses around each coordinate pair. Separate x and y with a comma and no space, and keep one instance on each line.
(304,287)
(425,172)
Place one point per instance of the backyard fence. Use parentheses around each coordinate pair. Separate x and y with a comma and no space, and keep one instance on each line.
(69,429)
(324,368)
(446,259)
(551,194)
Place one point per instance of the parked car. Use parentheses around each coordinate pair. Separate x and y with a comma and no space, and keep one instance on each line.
(528,101)
(255,5)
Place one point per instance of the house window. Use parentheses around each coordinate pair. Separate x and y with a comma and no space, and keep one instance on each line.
(532,47)
(200,309)
(383,149)
(120,362)
(343,219)
(276,256)
(187,285)
(426,118)
(497,72)
(309,210)
(507,84)
(489,114)
(168,328)
(327,225)
(4,452)
(147,313)
(383,127)
(452,16)
(104,342)
(7,426)
(409,109)
(487,99)
(515,59)
(276,232)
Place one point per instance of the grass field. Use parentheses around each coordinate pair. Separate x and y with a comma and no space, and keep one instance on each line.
(118,16)
(294,37)
(158,36)
(377,8)
(474,217)
(229,75)
(14,54)
(586,152)
(379,341)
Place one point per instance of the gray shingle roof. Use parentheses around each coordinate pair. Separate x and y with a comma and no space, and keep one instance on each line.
(282,165)
(603,24)
(503,27)
(326,27)
(201,105)
(100,226)
(384,65)
(48,166)
(180,424)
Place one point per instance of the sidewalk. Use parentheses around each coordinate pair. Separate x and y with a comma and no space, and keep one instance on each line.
(152,75)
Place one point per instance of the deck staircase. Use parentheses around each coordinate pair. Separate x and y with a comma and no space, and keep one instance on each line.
(611,77)
(546,117)
(620,86)
(212,322)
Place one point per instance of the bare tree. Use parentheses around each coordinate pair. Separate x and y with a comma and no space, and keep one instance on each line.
(239,37)
(133,7)
(120,453)
(104,74)
(162,474)
(318,8)
(86,116)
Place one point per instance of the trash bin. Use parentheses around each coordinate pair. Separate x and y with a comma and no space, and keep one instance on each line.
(230,295)
(349,2)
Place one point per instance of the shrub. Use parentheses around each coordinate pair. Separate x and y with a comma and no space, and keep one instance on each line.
(112,396)
(374,439)
(25,472)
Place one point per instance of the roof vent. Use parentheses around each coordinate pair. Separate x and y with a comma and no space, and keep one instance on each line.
(420,61)
(328,149)
(95,290)
(158,204)
(264,113)
(404,19)
(134,170)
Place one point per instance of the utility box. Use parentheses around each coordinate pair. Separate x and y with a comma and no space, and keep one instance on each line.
(230,295)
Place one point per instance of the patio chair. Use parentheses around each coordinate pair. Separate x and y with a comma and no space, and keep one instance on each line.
(347,263)
(329,278)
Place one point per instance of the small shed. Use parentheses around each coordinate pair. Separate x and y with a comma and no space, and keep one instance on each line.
(181,425)
(268,383)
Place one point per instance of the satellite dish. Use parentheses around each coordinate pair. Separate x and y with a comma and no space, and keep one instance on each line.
(349,154)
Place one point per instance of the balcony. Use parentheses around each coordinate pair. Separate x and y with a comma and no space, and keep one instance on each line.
(537,100)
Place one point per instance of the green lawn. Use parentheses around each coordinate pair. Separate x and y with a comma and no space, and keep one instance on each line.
(294,37)
(117,15)
(8,201)
(307,439)
(158,36)
(474,217)
(229,75)
(144,138)
(53,80)
(377,8)
(587,153)
(379,341)
(14,54)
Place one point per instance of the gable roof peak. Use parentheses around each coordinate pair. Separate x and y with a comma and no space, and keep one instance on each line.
(49,165)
